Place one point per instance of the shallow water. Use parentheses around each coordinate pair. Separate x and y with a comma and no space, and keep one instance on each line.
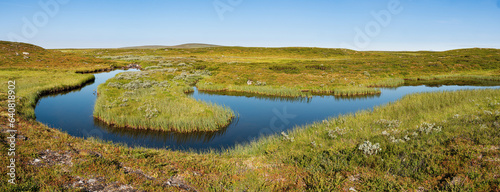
(71,112)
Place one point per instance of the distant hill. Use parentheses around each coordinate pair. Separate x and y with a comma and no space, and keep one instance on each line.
(28,56)
(188,45)
(8,48)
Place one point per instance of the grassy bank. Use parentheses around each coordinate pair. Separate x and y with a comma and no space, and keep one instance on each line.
(432,141)
(156,99)
(38,71)
(32,84)
(261,90)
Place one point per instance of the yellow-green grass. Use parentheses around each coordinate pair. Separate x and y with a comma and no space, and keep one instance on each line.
(432,141)
(389,82)
(261,90)
(310,69)
(38,71)
(155,100)
(26,56)
(288,92)
(462,156)
(32,84)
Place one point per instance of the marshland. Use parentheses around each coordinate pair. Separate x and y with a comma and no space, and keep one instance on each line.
(354,119)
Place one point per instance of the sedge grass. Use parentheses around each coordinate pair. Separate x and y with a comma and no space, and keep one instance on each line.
(158,106)
(469,137)
(352,91)
(392,82)
(32,84)
(463,156)
(431,129)
(262,90)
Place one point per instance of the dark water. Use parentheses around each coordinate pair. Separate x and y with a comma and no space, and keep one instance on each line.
(258,116)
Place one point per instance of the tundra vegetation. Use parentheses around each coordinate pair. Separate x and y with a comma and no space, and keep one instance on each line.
(156,99)
(428,141)
(300,72)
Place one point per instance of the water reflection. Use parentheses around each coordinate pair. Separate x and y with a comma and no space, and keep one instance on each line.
(259,116)
(455,82)
(256,96)
(161,136)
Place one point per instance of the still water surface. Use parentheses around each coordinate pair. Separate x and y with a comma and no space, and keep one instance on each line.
(71,112)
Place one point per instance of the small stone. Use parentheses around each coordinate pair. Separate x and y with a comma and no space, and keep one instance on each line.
(22,137)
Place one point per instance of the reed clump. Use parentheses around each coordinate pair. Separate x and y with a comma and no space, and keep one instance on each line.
(260,89)
(356,91)
(392,82)
(154,101)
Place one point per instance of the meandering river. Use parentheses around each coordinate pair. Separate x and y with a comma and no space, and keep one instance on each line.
(259,116)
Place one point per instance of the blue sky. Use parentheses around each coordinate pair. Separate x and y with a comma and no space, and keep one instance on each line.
(412,24)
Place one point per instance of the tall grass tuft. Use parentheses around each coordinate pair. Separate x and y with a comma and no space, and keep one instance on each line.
(158,106)
(262,90)
(455,77)
(33,84)
(356,91)
(392,82)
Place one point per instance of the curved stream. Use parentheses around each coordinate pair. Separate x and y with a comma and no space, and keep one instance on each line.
(71,112)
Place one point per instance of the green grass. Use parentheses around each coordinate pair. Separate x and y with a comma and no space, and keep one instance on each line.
(32,84)
(391,82)
(261,90)
(445,141)
(350,91)
(462,155)
(12,56)
(157,100)
(293,70)
(459,146)
(38,71)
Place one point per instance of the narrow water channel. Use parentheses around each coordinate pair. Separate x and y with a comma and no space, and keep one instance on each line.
(259,116)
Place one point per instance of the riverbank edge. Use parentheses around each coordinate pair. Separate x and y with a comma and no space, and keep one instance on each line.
(112,154)
(114,124)
(371,89)
(28,106)
(219,122)
(295,93)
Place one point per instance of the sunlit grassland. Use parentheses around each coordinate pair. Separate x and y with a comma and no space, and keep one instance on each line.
(32,84)
(459,153)
(38,71)
(157,100)
(21,56)
(388,82)
(75,159)
(434,141)
(289,92)
(261,90)
(431,141)
(294,70)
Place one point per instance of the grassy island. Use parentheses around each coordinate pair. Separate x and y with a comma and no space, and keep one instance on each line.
(156,99)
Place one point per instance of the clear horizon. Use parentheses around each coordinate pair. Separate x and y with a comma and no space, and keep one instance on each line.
(389,25)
